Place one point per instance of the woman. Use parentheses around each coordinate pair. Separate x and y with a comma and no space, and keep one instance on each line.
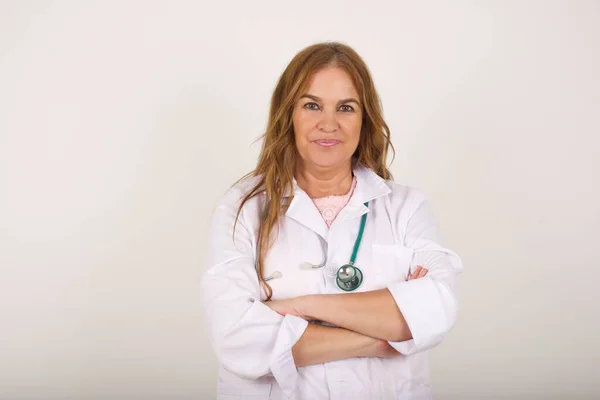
(326,280)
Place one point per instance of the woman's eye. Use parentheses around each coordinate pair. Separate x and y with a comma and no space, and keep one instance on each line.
(346,108)
(311,106)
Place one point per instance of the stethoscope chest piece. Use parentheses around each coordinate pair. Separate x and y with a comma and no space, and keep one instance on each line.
(349,277)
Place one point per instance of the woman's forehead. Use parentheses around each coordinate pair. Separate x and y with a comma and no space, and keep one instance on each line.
(331,83)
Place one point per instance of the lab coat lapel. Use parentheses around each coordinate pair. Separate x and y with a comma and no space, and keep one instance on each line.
(303,210)
(369,186)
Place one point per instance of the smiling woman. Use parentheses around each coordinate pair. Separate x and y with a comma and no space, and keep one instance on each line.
(326,279)
(327,129)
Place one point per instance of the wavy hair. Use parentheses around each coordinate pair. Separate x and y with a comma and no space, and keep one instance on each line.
(277,160)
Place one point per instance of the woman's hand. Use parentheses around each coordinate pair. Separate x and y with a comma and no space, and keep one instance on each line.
(294,306)
(382,349)
(419,272)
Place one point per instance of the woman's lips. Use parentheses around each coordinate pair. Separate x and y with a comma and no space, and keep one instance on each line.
(327,142)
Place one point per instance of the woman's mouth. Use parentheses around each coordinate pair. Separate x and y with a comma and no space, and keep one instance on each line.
(327,142)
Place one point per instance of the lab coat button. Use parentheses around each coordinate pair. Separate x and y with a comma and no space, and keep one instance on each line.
(331,271)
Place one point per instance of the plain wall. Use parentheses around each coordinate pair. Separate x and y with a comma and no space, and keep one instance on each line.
(123,122)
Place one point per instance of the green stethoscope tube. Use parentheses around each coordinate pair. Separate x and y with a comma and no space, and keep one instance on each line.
(349,277)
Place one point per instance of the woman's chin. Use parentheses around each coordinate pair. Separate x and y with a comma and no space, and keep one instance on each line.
(327,162)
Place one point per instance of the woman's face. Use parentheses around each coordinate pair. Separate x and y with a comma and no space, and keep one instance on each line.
(327,120)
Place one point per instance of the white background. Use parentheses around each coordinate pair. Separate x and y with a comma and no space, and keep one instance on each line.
(123,122)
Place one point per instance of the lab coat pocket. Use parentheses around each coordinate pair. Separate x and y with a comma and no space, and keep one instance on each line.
(391,262)
(242,391)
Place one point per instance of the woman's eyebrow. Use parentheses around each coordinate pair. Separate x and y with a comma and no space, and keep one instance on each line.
(349,100)
(319,100)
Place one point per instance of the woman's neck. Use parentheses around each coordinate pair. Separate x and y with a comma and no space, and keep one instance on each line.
(322,182)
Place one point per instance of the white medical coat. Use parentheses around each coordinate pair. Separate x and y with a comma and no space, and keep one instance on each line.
(254,344)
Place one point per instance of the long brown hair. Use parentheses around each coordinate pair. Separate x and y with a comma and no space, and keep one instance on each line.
(277,160)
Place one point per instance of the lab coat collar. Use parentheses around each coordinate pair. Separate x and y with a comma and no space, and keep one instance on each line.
(369,186)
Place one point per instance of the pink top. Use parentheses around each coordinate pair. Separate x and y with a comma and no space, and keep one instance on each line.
(330,206)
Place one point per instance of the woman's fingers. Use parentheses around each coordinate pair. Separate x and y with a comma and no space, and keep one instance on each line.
(414,274)
(419,272)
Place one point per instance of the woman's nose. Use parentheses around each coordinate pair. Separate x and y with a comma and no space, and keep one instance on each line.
(328,122)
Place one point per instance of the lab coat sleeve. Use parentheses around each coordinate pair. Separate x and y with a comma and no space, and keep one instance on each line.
(430,304)
(250,339)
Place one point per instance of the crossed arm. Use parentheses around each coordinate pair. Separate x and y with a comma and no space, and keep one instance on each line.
(364,321)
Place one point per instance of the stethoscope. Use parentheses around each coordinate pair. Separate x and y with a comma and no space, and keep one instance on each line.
(348,277)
